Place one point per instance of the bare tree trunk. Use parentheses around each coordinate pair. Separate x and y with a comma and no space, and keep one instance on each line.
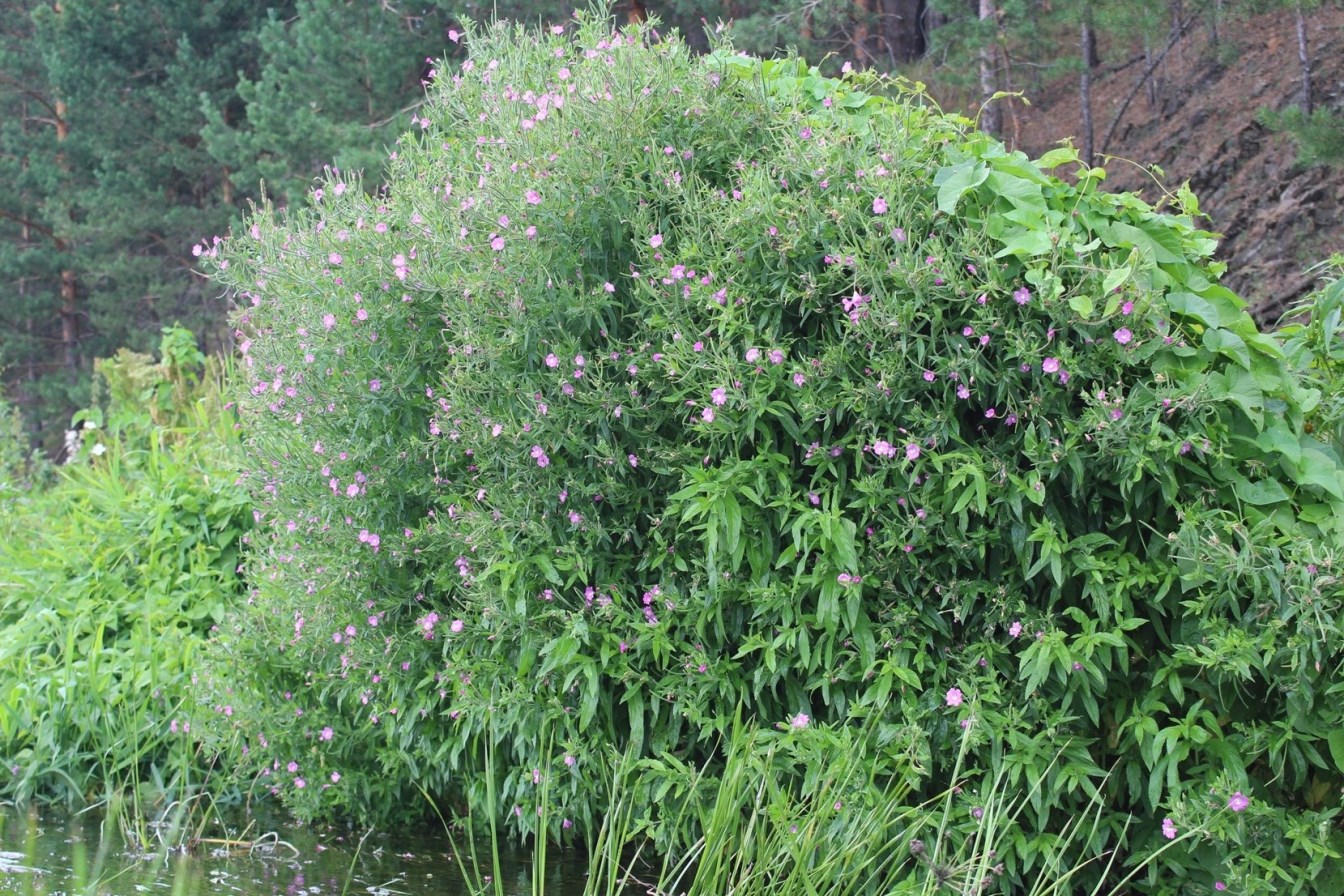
(1129,98)
(864,11)
(1303,58)
(1178,16)
(902,29)
(1151,80)
(990,121)
(69,312)
(1085,84)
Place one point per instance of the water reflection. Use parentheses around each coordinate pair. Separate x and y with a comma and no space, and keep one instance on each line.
(54,854)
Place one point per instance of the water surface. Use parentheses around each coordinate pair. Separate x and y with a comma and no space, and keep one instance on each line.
(54,854)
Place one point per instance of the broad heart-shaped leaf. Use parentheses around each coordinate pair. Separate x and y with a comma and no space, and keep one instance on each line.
(1239,387)
(953,182)
(1228,344)
(1279,438)
(1082,305)
(1266,491)
(1153,242)
(1320,467)
(1059,156)
(1025,243)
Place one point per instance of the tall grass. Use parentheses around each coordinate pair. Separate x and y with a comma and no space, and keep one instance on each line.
(853,832)
(109,581)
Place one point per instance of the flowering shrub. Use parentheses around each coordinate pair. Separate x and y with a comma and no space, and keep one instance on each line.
(652,387)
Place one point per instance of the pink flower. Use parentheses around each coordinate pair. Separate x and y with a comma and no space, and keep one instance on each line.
(954,697)
(497,243)
(1015,629)
(326,733)
(328,320)
(1168,829)
(552,361)
(799,721)
(375,385)
(656,240)
(533,197)
(912,451)
(456,626)
(879,206)
(1238,802)
(1050,365)
(929,376)
(1123,336)
(718,396)
(707,415)
(1021,295)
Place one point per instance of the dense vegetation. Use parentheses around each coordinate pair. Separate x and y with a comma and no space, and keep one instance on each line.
(98,218)
(113,569)
(655,391)
(744,458)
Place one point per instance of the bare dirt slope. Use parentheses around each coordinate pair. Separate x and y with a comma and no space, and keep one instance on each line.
(1278,218)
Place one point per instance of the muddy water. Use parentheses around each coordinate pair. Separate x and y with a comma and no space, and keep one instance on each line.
(54,854)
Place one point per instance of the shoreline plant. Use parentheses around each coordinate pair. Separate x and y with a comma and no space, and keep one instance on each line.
(111,576)
(653,386)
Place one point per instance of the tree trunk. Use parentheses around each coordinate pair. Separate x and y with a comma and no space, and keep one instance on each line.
(1178,16)
(1151,79)
(1303,58)
(902,29)
(990,121)
(69,313)
(1086,40)
(863,10)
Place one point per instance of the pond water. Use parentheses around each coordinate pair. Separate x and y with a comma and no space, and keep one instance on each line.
(54,854)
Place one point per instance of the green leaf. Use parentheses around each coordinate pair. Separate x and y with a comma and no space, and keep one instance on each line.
(1115,279)
(1061,155)
(1336,741)
(1266,491)
(1228,344)
(1082,305)
(953,183)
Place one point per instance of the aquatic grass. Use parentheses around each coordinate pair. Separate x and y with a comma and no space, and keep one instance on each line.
(856,833)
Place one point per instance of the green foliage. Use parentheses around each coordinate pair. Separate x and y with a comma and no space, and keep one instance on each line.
(109,581)
(653,387)
(1319,136)
(1313,334)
